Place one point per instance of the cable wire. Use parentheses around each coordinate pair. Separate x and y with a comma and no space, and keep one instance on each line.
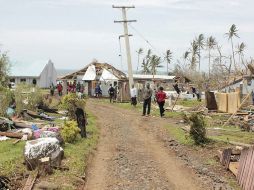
(142,36)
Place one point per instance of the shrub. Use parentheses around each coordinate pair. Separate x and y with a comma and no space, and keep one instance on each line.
(27,97)
(70,102)
(198,128)
(70,131)
(6,98)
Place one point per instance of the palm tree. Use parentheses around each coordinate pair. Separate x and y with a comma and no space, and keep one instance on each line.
(194,53)
(168,58)
(232,33)
(145,67)
(155,63)
(146,62)
(211,44)
(140,52)
(201,43)
(240,49)
(186,56)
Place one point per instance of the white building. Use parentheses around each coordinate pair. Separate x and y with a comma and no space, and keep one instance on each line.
(42,74)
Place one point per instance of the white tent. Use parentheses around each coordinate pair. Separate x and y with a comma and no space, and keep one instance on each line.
(107,76)
(90,73)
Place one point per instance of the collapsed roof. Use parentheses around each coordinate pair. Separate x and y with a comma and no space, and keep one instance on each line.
(97,68)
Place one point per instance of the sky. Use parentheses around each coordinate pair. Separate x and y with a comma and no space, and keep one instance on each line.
(72,33)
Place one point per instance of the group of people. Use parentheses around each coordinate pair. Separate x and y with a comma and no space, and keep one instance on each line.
(71,88)
(75,87)
(160,97)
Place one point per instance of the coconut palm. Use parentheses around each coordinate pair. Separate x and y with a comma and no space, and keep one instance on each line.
(194,54)
(140,52)
(146,62)
(155,62)
(210,44)
(168,58)
(232,33)
(201,43)
(240,51)
(186,56)
(145,67)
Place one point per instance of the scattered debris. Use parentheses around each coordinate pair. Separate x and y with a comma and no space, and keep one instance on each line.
(30,180)
(40,148)
(4,183)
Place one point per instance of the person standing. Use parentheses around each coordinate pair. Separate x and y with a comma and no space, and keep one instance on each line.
(147,96)
(133,95)
(52,89)
(111,92)
(160,97)
(59,89)
(82,121)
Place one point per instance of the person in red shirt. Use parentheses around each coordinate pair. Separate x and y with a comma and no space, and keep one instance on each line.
(160,97)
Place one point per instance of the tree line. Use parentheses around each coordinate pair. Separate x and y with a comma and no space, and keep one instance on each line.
(192,58)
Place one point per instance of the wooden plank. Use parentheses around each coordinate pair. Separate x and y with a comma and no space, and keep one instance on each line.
(225,158)
(11,135)
(247,168)
(30,180)
(233,167)
(241,166)
(251,170)
(222,102)
(233,102)
(238,108)
(252,182)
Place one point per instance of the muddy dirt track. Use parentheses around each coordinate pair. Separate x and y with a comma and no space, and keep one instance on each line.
(128,157)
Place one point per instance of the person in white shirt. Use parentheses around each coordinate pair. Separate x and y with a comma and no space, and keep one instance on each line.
(133,95)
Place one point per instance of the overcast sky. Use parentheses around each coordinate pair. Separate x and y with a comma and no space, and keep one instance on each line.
(74,32)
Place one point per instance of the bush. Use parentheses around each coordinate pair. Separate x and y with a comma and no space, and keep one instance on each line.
(27,97)
(70,131)
(6,98)
(70,102)
(198,128)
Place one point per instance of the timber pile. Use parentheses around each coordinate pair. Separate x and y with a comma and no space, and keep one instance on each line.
(241,164)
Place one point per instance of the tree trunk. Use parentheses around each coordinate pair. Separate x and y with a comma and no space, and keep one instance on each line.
(209,62)
(199,55)
(232,45)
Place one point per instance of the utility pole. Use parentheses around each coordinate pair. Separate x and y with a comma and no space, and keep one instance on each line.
(127,42)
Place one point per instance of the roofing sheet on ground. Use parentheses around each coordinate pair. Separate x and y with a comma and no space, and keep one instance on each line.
(90,73)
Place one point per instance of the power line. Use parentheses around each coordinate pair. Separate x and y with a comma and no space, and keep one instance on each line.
(149,43)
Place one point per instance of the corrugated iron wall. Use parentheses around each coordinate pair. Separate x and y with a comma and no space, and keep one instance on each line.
(245,174)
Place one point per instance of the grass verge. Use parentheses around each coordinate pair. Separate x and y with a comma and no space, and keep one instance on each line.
(11,158)
(76,157)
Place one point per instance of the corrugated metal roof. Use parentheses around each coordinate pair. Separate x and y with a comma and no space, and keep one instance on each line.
(27,69)
(165,77)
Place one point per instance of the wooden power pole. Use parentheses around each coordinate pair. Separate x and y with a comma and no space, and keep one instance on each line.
(127,42)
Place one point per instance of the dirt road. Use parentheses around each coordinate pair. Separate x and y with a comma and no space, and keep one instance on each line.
(130,158)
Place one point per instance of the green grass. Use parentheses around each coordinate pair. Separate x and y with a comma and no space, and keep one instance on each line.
(239,136)
(179,135)
(76,157)
(189,103)
(11,157)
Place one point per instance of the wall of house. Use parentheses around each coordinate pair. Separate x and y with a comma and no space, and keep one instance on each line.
(28,80)
(246,88)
